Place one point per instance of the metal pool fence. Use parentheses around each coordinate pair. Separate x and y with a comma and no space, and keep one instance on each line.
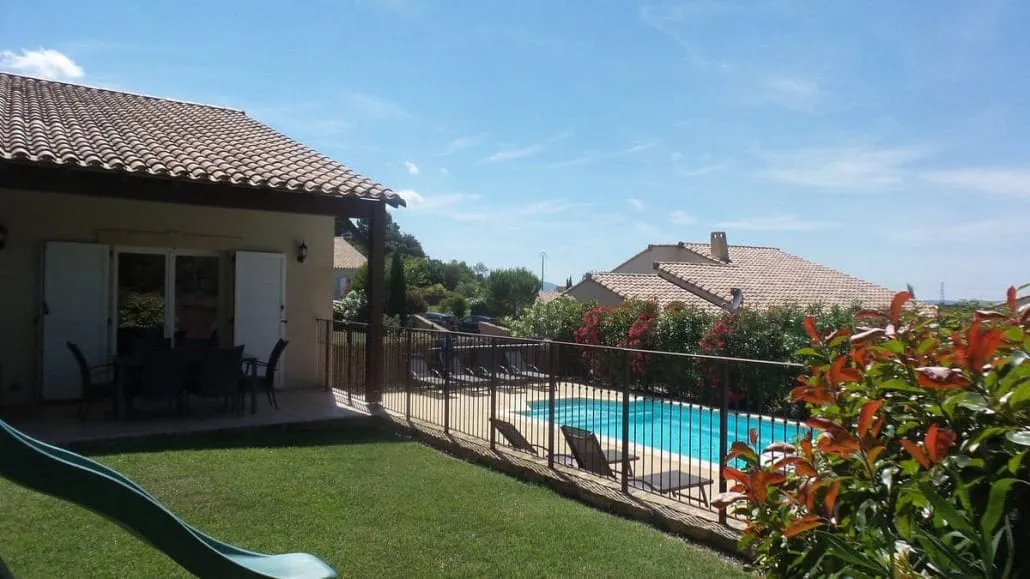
(658,422)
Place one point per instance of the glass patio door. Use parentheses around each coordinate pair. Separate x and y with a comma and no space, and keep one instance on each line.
(162,294)
(196,296)
(141,298)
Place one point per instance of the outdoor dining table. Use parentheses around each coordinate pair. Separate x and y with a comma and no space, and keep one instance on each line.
(126,364)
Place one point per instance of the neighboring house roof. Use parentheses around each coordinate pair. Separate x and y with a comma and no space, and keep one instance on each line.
(53,123)
(638,286)
(769,276)
(345,256)
(548,295)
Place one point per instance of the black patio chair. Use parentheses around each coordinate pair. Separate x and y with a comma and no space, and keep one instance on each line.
(97,381)
(162,376)
(518,366)
(587,450)
(267,381)
(220,374)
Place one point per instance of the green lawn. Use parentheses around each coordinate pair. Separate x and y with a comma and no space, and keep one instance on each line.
(366,500)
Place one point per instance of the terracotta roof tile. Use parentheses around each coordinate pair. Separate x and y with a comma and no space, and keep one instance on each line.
(650,287)
(769,276)
(345,256)
(548,295)
(48,122)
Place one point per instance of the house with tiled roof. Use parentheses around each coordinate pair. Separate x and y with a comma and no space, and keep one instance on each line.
(710,275)
(346,262)
(127,219)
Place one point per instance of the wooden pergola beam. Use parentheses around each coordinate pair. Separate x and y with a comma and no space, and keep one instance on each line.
(376,290)
(97,183)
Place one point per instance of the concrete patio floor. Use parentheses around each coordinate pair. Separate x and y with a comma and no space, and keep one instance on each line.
(59,424)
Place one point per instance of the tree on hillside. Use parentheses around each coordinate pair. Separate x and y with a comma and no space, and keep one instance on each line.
(568,283)
(396,240)
(481,270)
(449,274)
(509,291)
(397,295)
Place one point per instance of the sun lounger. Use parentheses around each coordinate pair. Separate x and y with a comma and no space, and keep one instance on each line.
(423,374)
(517,365)
(519,442)
(587,450)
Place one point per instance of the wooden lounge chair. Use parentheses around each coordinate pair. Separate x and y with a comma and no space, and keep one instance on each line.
(587,450)
(519,442)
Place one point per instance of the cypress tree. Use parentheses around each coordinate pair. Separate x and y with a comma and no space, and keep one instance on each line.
(397,295)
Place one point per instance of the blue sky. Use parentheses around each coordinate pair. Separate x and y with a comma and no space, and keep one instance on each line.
(890,140)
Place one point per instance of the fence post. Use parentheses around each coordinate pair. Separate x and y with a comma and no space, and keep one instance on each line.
(724,410)
(446,386)
(348,383)
(625,426)
(330,334)
(407,374)
(552,386)
(493,393)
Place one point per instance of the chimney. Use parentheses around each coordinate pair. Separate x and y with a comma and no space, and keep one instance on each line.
(720,250)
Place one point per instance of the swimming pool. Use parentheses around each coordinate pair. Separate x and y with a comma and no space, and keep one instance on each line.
(673,427)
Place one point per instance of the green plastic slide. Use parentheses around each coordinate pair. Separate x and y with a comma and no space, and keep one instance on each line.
(63,474)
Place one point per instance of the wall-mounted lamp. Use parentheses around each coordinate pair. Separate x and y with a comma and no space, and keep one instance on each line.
(302,252)
(3,236)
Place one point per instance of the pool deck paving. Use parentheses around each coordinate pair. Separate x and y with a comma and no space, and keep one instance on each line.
(469,411)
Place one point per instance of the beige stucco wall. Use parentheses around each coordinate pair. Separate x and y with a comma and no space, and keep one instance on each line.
(644,261)
(33,218)
(341,273)
(590,290)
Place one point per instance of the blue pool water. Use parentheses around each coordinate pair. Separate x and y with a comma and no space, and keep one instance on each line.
(677,428)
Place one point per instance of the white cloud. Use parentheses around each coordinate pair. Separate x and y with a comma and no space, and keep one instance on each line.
(702,170)
(597,157)
(675,20)
(675,156)
(512,154)
(448,205)
(549,207)
(411,197)
(527,151)
(635,148)
(776,223)
(679,217)
(44,63)
(931,234)
(793,92)
(646,229)
(637,204)
(411,167)
(843,168)
(462,143)
(444,171)
(1009,182)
